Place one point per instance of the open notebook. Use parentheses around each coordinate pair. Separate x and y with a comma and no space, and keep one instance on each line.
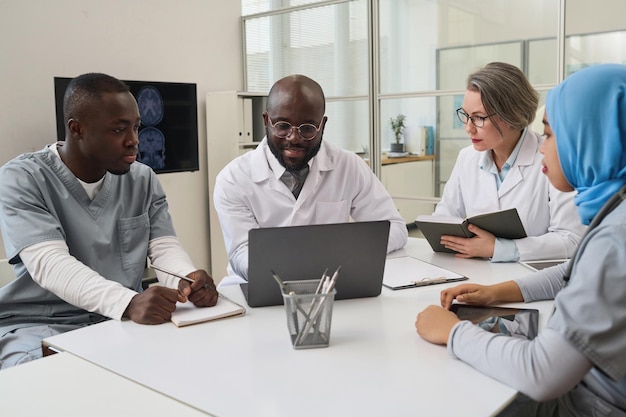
(187,313)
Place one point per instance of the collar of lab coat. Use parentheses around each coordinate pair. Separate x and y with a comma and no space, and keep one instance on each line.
(265,164)
(525,158)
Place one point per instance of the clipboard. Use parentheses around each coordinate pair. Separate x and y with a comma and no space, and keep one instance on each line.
(408,272)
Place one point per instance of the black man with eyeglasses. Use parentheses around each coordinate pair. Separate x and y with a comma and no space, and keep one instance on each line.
(296,178)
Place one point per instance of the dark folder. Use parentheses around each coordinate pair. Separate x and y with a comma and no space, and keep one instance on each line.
(505,224)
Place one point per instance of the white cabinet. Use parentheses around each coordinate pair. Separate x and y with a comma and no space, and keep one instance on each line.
(411,185)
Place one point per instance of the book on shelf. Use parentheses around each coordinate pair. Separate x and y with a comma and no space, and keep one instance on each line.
(504,224)
(187,313)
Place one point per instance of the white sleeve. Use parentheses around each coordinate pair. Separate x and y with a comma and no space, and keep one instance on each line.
(235,217)
(51,266)
(564,232)
(544,368)
(168,253)
(373,202)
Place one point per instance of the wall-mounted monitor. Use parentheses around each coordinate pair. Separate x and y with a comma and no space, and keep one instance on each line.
(168,136)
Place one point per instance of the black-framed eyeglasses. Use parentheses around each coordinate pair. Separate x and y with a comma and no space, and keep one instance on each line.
(478,121)
(307,131)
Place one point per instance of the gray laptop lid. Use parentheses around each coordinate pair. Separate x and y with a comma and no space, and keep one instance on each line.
(304,252)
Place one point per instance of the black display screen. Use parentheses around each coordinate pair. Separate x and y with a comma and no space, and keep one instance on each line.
(168,136)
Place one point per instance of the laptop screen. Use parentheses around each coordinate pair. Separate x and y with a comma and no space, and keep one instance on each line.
(305,252)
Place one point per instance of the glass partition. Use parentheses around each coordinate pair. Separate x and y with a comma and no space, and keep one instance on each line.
(347,125)
(588,49)
(327,43)
(382,58)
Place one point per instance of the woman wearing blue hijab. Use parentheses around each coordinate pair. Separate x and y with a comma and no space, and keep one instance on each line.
(577,364)
(588,112)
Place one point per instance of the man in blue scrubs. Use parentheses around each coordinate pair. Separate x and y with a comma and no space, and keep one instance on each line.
(78,220)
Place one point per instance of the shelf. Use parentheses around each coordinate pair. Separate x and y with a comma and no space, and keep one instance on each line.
(411,158)
(248,144)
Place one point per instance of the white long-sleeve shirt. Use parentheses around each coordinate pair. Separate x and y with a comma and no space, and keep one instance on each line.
(51,266)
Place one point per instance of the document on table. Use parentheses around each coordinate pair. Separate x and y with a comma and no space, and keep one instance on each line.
(408,272)
(187,313)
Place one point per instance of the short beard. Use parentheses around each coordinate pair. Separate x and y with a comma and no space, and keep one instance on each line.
(292,167)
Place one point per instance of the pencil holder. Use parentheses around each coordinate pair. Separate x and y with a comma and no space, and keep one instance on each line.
(309,313)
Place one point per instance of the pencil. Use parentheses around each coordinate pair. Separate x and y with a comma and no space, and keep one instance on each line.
(165,271)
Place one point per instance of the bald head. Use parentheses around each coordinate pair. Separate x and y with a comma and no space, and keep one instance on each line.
(297,90)
(295,100)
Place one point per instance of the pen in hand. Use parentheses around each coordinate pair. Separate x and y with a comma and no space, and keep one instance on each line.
(165,271)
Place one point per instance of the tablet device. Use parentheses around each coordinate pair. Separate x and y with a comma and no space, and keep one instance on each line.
(516,322)
(546,263)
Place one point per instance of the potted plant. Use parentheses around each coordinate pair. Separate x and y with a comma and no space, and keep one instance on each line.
(397,125)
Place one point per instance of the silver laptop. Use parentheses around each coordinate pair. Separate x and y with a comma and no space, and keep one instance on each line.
(305,252)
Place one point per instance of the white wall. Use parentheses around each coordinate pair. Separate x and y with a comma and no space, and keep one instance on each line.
(191,41)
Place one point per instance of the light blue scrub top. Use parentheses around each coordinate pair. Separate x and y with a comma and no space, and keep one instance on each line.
(41,200)
(591,310)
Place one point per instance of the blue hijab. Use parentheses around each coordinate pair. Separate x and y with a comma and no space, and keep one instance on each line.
(587,113)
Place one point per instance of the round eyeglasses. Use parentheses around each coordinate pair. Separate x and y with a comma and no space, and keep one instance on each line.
(307,131)
(478,121)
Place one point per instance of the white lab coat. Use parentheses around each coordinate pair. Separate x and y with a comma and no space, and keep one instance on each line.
(548,215)
(249,194)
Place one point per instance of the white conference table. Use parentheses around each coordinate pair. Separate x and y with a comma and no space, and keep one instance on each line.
(65,385)
(375,365)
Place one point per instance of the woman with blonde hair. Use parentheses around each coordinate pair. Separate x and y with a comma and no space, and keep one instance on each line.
(502,170)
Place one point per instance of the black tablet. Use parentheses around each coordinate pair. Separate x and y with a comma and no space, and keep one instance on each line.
(539,265)
(516,322)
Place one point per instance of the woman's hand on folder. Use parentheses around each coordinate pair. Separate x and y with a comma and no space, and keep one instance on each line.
(201,292)
(480,246)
